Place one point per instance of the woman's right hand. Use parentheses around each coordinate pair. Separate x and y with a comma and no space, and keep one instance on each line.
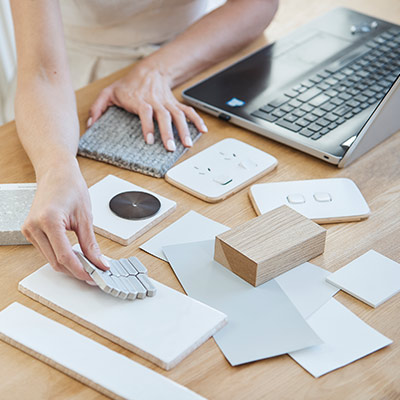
(62,204)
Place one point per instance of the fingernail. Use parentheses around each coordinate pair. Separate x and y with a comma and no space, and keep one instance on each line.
(150,138)
(204,128)
(104,261)
(187,141)
(91,283)
(171,145)
(89,122)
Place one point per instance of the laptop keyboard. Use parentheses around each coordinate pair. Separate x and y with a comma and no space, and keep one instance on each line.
(337,93)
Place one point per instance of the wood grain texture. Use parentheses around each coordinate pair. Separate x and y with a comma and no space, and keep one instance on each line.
(206,371)
(269,245)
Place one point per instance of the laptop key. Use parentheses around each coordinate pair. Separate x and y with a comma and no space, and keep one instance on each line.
(324,131)
(328,106)
(278,113)
(298,113)
(323,86)
(289,125)
(302,122)
(306,132)
(331,117)
(306,108)
(310,117)
(309,94)
(263,115)
(291,93)
(290,118)
(316,136)
(361,98)
(353,103)
(267,108)
(332,126)
(287,108)
(295,103)
(314,127)
(322,122)
(342,110)
(279,101)
(344,96)
(318,112)
(336,101)
(321,99)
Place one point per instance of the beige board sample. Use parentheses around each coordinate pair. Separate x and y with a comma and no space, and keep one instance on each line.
(269,245)
(85,360)
(163,329)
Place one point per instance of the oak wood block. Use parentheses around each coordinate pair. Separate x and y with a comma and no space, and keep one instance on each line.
(269,245)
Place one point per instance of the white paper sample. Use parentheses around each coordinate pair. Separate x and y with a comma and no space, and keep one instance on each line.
(346,339)
(163,329)
(262,321)
(192,227)
(306,287)
(371,278)
(84,359)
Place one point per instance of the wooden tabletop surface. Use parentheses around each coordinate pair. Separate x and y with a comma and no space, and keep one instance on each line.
(206,371)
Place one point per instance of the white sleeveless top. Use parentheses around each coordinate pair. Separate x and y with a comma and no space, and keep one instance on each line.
(103,36)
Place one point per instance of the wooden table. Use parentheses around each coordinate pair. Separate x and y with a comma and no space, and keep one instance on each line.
(206,371)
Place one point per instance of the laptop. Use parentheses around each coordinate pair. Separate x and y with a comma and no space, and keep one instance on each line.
(330,89)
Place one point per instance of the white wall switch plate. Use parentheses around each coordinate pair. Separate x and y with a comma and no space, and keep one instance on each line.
(322,200)
(108,224)
(221,170)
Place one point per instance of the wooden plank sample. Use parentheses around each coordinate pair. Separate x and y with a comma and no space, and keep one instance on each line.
(163,329)
(269,245)
(85,360)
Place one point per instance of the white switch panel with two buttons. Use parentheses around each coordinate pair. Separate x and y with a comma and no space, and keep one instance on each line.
(322,200)
(221,170)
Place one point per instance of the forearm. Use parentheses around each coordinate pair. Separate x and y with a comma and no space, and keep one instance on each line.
(47,123)
(45,107)
(213,38)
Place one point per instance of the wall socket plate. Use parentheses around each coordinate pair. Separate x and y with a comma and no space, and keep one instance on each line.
(221,170)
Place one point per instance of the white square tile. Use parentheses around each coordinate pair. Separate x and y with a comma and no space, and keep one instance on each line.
(372,278)
(346,339)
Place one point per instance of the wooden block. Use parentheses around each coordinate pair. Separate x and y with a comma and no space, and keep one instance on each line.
(269,245)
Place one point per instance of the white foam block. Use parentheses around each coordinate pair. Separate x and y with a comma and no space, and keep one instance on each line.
(307,288)
(263,322)
(87,361)
(346,339)
(163,329)
(372,278)
(192,227)
(108,224)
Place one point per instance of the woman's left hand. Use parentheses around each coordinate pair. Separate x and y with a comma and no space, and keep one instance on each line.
(147,92)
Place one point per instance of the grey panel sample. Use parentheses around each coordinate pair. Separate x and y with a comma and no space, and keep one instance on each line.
(262,321)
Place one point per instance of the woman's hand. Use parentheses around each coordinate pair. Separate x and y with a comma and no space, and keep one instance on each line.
(62,204)
(146,91)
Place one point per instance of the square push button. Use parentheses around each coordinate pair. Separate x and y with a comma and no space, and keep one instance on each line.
(223,179)
(296,198)
(322,197)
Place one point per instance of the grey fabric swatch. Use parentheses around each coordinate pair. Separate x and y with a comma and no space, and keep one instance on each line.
(117,139)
